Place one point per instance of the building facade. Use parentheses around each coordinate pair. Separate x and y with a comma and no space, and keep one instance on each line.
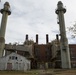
(42,56)
(14,61)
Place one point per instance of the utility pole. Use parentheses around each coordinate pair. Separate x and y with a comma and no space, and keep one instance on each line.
(5,12)
(65,53)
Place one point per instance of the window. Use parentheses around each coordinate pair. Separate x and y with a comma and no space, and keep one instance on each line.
(16,58)
(13,57)
(10,57)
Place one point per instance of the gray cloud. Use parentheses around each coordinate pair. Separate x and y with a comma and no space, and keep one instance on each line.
(35,17)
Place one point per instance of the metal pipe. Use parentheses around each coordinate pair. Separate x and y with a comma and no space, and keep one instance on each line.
(36,38)
(47,40)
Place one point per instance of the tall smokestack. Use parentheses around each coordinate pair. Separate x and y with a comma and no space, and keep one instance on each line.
(5,12)
(47,41)
(36,38)
(65,53)
(26,36)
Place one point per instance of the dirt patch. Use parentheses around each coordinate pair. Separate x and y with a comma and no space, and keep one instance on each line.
(46,74)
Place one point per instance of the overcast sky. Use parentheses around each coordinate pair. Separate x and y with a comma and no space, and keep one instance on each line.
(36,17)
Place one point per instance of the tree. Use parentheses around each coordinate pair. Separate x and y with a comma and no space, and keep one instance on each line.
(73,30)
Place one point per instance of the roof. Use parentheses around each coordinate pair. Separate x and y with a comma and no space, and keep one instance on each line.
(27,48)
(16,55)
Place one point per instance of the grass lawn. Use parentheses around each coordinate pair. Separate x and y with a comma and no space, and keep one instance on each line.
(41,72)
(32,72)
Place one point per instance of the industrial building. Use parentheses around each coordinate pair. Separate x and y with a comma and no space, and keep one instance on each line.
(54,54)
(14,61)
(42,56)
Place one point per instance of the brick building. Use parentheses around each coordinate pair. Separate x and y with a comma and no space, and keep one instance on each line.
(42,55)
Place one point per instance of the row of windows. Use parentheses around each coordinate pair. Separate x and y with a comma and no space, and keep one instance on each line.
(13,57)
